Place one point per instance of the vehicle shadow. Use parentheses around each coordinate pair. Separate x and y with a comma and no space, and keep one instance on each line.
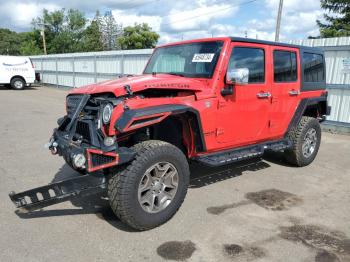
(98,204)
(31,88)
(276,158)
(203,175)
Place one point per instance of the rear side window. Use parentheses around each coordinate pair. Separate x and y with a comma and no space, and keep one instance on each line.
(313,67)
(285,66)
(251,58)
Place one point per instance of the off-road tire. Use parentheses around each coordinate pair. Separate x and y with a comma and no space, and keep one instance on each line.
(297,135)
(123,185)
(16,86)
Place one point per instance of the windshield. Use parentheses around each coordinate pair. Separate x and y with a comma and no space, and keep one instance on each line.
(188,60)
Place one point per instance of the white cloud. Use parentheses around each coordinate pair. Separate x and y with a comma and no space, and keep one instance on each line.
(295,5)
(196,19)
(127,19)
(298,17)
(182,19)
(22,14)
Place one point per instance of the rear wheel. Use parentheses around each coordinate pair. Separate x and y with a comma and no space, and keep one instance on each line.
(306,139)
(18,83)
(150,190)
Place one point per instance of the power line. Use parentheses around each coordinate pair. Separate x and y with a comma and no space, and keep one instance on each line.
(208,13)
(193,17)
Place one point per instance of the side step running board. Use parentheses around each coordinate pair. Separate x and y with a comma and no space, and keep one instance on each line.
(243,153)
(54,193)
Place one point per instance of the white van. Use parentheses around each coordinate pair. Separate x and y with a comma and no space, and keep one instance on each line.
(16,71)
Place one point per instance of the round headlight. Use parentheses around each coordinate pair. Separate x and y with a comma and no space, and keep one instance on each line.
(79,160)
(107,113)
(109,141)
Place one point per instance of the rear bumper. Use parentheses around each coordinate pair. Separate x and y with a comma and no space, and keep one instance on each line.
(96,158)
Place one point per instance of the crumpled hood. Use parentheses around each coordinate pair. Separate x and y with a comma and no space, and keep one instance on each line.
(139,83)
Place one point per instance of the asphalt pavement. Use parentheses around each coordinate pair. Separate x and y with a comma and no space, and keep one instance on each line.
(256,211)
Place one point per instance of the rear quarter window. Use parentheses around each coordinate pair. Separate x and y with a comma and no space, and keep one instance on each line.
(313,67)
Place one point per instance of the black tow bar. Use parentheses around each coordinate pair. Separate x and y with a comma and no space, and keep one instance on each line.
(58,192)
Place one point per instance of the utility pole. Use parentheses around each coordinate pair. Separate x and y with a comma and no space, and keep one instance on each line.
(278,22)
(42,33)
(44,41)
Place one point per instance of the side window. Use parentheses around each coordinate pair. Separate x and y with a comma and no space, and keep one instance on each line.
(251,58)
(285,66)
(313,67)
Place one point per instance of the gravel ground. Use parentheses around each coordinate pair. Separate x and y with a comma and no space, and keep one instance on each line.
(267,211)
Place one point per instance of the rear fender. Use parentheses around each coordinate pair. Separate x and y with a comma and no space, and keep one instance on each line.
(316,107)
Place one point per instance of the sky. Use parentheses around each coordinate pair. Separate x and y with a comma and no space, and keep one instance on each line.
(183,19)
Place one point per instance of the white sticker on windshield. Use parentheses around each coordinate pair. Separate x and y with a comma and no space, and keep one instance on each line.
(202,58)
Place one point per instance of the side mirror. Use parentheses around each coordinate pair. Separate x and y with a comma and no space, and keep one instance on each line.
(237,76)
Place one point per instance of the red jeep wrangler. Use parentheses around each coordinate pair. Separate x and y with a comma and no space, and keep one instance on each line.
(215,101)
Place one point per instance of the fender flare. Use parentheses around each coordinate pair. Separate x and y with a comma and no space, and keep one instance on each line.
(133,119)
(302,107)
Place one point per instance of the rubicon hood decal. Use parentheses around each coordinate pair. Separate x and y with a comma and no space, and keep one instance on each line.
(169,85)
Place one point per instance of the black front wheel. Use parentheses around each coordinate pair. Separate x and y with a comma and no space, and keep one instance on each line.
(150,190)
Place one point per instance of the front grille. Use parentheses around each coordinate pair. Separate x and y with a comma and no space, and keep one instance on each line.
(72,103)
(83,129)
(99,160)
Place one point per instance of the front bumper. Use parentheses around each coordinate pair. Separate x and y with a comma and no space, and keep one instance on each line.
(80,139)
(96,156)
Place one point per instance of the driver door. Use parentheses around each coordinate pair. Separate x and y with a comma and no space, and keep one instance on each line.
(244,115)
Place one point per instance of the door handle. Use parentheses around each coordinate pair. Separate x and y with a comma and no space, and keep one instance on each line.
(263,95)
(294,92)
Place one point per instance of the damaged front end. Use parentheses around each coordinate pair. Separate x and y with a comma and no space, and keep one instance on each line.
(81,137)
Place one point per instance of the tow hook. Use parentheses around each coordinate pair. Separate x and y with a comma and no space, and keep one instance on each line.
(52,145)
(53,148)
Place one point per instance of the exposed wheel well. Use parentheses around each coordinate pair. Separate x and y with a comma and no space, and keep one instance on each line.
(180,130)
(316,110)
(169,130)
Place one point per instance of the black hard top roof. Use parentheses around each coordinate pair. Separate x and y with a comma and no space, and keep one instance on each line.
(257,41)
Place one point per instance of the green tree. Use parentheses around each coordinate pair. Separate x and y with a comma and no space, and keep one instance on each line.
(31,43)
(64,30)
(138,37)
(111,31)
(337,23)
(9,42)
(93,35)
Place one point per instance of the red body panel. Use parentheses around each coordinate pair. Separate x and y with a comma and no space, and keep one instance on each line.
(227,121)
(283,105)
(247,115)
